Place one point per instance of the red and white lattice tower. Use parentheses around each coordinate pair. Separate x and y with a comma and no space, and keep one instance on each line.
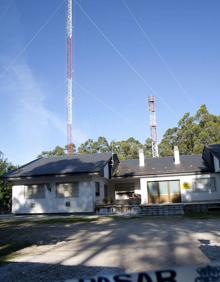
(69,78)
(153,126)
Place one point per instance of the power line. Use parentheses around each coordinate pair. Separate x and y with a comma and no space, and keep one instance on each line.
(101,102)
(108,40)
(27,45)
(149,40)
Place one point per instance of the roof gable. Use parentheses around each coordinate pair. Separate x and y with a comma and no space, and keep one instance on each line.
(209,152)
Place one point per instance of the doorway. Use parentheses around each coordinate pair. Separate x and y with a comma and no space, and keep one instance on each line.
(164,192)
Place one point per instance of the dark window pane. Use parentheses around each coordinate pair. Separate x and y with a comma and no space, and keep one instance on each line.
(105,191)
(204,185)
(97,189)
(152,188)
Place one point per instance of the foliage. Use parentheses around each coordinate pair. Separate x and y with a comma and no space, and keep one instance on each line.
(126,149)
(57,151)
(5,188)
(91,146)
(192,133)
(147,146)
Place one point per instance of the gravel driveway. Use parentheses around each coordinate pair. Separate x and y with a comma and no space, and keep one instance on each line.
(49,252)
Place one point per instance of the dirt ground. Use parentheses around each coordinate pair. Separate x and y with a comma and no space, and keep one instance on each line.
(61,250)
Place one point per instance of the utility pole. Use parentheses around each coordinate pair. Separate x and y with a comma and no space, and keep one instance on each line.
(153,126)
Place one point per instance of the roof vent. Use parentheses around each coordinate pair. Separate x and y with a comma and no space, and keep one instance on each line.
(141,158)
(176,155)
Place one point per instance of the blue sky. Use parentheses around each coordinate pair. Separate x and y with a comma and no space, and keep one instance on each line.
(166,48)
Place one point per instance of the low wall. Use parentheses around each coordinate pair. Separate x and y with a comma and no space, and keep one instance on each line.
(118,209)
(157,209)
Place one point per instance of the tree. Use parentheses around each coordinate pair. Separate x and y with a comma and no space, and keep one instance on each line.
(192,133)
(102,145)
(147,146)
(90,146)
(126,149)
(57,151)
(5,187)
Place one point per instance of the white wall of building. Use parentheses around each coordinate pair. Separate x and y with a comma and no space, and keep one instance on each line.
(51,204)
(216,164)
(189,194)
(102,182)
(106,171)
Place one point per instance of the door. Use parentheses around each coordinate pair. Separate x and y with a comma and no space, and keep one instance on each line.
(164,192)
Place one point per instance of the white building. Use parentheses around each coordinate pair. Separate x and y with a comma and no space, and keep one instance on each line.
(78,183)
(61,184)
(177,179)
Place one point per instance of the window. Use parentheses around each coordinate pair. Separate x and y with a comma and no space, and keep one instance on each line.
(35,191)
(204,185)
(97,189)
(67,190)
(174,187)
(163,188)
(105,191)
(67,204)
(153,188)
(164,191)
(125,186)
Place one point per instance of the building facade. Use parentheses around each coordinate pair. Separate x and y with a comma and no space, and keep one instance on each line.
(79,183)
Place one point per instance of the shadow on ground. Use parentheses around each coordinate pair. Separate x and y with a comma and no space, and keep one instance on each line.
(34,272)
(138,244)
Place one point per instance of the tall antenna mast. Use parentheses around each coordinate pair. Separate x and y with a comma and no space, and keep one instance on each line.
(69,78)
(153,126)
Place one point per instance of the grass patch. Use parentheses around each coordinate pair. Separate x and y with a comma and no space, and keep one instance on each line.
(54,220)
(10,223)
(69,220)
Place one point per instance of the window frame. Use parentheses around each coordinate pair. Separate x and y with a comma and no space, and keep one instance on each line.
(72,194)
(170,194)
(31,195)
(210,179)
(97,193)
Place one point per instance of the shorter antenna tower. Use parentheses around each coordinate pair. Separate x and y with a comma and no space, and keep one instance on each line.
(153,126)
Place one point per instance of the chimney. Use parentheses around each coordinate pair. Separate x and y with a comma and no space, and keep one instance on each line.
(141,157)
(176,155)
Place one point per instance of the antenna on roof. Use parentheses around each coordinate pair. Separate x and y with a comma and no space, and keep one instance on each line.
(153,126)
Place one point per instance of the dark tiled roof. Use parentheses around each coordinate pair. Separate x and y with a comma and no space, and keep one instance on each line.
(214,148)
(80,163)
(208,153)
(163,165)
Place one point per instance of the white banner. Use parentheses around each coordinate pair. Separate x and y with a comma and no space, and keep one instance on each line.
(182,274)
